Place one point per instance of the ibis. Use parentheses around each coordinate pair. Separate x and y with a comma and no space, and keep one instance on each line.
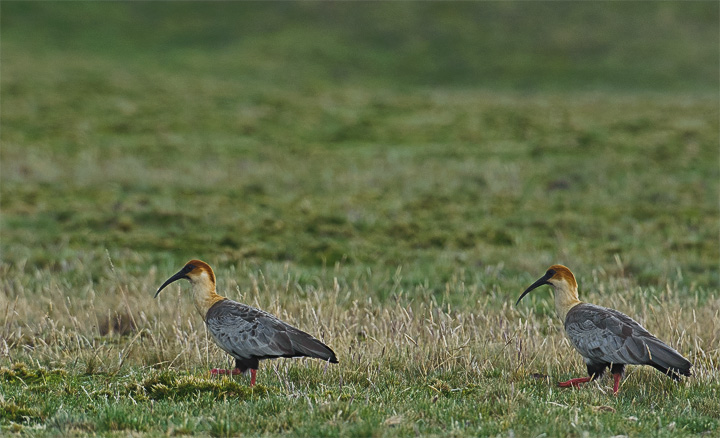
(605,337)
(244,332)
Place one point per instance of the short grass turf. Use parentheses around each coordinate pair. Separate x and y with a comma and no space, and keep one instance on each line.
(388,177)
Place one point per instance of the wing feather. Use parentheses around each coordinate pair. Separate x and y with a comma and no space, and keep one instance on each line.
(603,335)
(249,333)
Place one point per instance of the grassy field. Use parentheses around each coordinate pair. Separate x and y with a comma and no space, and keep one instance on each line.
(388,177)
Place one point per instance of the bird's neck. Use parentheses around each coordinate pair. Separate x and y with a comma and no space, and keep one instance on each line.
(566,297)
(204,294)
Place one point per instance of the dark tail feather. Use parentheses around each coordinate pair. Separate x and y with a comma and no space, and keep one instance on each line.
(666,371)
(667,360)
(306,345)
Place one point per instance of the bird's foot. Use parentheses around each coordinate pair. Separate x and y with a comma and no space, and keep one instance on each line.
(235,372)
(616,386)
(218,372)
(575,383)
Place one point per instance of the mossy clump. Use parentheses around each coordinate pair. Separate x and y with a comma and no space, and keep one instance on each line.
(20,372)
(166,385)
(11,412)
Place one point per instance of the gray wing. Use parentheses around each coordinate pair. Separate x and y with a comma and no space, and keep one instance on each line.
(249,333)
(603,335)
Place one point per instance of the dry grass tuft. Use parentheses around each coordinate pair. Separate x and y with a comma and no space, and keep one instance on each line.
(116,323)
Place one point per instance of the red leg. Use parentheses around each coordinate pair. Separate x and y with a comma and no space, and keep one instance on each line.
(617,378)
(252,377)
(574,382)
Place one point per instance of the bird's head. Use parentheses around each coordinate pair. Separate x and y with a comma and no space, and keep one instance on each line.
(195,271)
(557,276)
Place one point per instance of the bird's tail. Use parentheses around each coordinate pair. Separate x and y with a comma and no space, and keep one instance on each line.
(306,345)
(667,360)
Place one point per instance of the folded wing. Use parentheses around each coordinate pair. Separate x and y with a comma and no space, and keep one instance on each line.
(249,334)
(603,335)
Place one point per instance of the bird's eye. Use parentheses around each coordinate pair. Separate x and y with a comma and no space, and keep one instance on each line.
(188,268)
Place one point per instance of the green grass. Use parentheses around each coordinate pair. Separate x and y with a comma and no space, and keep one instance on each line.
(388,177)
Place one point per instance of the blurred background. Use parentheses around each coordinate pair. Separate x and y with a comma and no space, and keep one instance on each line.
(450,139)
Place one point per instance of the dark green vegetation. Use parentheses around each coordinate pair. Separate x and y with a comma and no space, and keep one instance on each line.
(386,176)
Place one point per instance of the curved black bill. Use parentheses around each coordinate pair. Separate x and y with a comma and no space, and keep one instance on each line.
(180,275)
(541,281)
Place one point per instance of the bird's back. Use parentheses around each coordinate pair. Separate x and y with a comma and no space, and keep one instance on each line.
(249,334)
(603,335)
